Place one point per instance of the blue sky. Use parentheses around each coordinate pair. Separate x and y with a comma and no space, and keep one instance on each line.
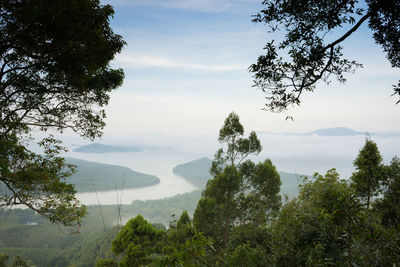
(186,68)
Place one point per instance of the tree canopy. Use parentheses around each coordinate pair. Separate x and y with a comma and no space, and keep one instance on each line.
(370,172)
(136,241)
(307,54)
(54,75)
(242,196)
(140,244)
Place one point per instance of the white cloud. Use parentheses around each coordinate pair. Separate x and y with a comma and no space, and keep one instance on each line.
(163,62)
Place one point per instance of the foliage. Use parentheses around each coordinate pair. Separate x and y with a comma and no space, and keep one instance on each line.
(329,225)
(106,263)
(245,255)
(370,172)
(3,260)
(249,245)
(54,75)
(241,192)
(307,54)
(37,181)
(140,243)
(389,205)
(183,245)
(317,228)
(45,245)
(136,242)
(237,147)
(19,262)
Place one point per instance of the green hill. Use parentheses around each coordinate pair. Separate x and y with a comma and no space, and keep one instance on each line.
(106,176)
(197,173)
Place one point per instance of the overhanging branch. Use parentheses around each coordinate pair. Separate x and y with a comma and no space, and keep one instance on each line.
(348,33)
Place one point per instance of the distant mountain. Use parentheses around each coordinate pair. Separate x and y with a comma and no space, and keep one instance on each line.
(337,131)
(197,173)
(106,176)
(343,131)
(100,148)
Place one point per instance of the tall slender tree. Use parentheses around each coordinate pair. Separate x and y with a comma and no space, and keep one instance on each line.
(370,172)
(241,192)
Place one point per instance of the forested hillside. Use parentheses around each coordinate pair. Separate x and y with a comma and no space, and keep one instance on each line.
(91,176)
(24,233)
(198,173)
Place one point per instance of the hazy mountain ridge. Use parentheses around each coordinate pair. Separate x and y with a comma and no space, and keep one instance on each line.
(336,131)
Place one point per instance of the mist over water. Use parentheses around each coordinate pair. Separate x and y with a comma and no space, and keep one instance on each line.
(290,153)
(314,153)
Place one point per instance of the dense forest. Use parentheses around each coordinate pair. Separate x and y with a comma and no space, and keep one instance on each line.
(240,219)
(35,240)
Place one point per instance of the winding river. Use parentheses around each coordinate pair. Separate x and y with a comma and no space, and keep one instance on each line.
(155,162)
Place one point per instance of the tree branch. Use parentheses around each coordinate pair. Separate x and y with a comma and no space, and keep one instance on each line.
(348,33)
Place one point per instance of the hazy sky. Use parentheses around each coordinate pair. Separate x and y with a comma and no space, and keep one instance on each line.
(186,68)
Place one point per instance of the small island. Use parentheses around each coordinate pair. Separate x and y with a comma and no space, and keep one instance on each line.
(97,148)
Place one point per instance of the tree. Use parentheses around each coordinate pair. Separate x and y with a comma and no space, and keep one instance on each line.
(370,172)
(141,244)
(183,244)
(237,147)
(136,242)
(312,55)
(106,263)
(19,262)
(318,228)
(328,224)
(241,193)
(388,205)
(3,260)
(250,245)
(54,75)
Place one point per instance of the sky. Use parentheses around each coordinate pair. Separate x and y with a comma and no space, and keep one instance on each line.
(186,68)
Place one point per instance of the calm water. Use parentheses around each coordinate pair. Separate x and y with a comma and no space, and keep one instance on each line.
(294,154)
(155,162)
